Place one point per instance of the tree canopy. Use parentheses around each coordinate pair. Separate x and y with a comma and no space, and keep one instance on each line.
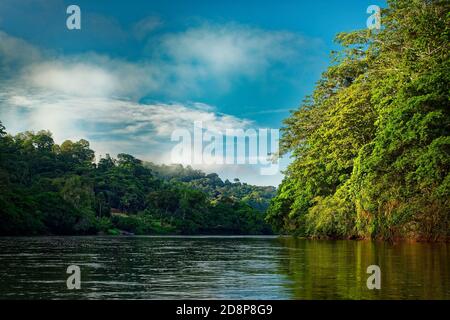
(371,145)
(46,188)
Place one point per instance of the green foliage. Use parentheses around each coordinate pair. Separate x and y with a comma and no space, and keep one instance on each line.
(50,189)
(370,147)
(256,196)
(141,224)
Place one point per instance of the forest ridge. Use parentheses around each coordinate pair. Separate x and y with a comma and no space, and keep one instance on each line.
(46,188)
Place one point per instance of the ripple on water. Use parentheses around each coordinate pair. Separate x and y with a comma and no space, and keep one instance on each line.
(219,268)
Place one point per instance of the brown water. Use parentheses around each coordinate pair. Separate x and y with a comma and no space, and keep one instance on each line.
(220,268)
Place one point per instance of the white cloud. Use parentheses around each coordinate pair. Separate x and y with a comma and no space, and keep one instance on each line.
(111,124)
(230,48)
(95,97)
(194,61)
(222,53)
(121,117)
(76,79)
(93,75)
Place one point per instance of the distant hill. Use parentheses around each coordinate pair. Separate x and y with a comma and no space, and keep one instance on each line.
(257,197)
(46,188)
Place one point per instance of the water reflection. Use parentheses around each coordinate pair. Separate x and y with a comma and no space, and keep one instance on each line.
(337,269)
(220,268)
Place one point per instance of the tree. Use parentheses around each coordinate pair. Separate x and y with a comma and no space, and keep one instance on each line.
(77,154)
(2,130)
(370,147)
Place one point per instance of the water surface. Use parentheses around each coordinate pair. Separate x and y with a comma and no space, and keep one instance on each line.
(220,268)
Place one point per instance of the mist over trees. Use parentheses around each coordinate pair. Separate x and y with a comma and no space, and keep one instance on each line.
(46,188)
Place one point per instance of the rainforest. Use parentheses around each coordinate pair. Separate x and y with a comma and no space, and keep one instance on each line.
(51,189)
(370,147)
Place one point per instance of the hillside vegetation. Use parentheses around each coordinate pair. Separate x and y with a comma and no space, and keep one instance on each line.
(371,145)
(46,188)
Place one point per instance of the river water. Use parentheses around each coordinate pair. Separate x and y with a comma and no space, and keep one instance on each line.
(220,268)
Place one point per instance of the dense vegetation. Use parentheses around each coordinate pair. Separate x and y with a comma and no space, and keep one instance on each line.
(256,197)
(47,188)
(371,146)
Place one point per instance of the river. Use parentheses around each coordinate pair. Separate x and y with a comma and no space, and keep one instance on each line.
(220,268)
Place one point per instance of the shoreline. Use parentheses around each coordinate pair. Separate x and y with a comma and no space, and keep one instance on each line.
(235,236)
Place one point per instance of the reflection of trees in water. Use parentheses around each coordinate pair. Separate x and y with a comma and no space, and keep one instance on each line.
(146,267)
(337,269)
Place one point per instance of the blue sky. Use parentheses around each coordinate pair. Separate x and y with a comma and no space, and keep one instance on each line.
(137,70)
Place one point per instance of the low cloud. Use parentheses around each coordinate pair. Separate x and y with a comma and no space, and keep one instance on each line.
(146,127)
(92,76)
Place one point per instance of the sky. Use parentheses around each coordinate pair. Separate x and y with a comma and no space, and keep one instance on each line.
(137,71)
